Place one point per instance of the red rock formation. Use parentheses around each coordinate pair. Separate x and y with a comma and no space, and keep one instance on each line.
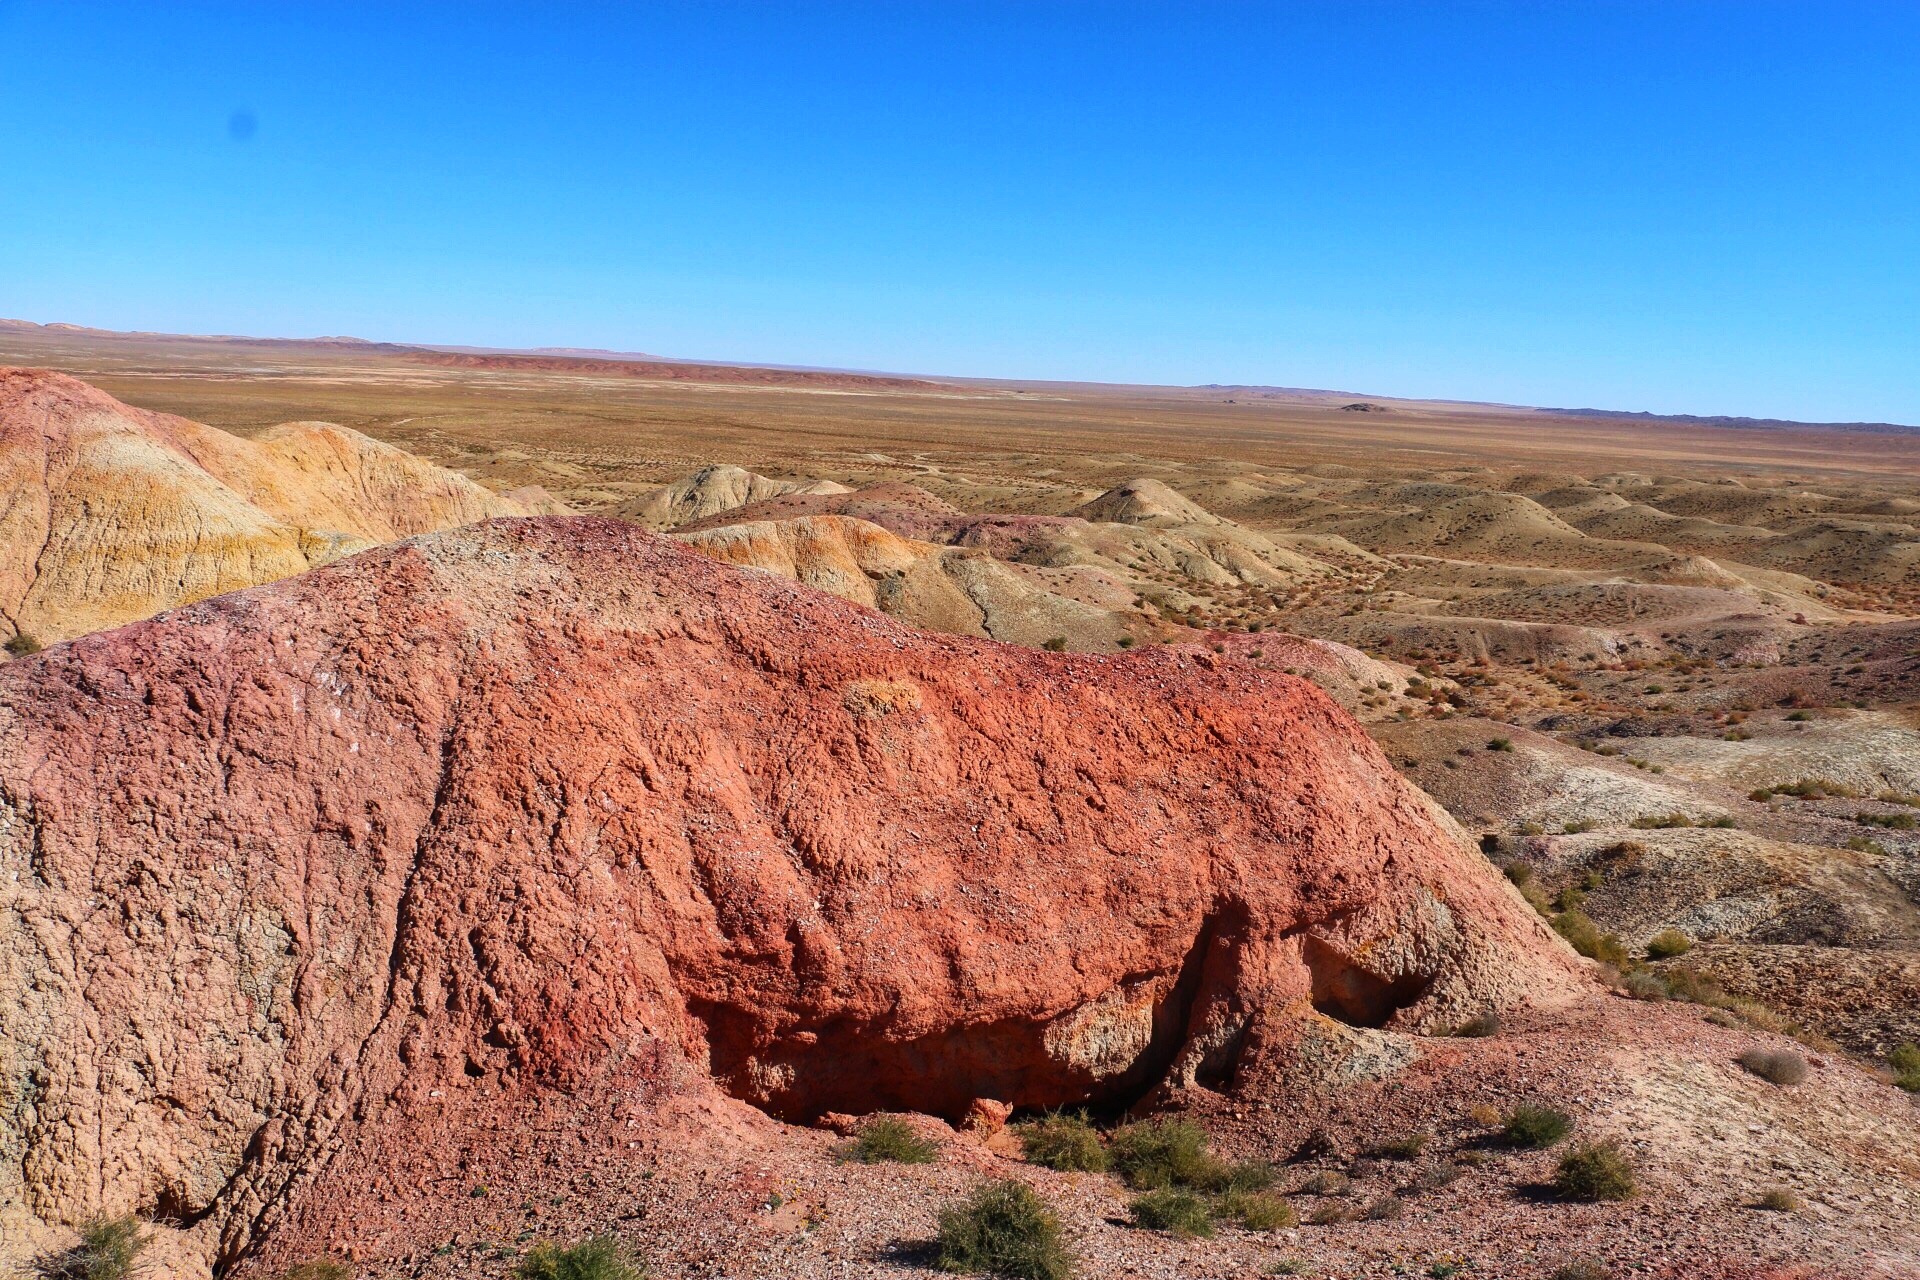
(489,808)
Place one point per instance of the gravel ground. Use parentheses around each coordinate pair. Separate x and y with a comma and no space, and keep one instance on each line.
(704,1186)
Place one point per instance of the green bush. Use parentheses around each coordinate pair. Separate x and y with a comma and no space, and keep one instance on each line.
(22,645)
(1003,1229)
(1779,1200)
(1058,644)
(1166,1153)
(1330,1214)
(891,1138)
(1500,744)
(109,1249)
(1180,1213)
(1065,1142)
(601,1258)
(1667,944)
(1534,1126)
(1595,1171)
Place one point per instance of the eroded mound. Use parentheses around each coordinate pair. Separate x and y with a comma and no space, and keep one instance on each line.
(113,513)
(488,809)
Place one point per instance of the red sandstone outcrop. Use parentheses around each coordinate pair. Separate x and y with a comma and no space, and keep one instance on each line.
(486,810)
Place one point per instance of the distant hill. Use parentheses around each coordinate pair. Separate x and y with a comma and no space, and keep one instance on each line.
(1761,424)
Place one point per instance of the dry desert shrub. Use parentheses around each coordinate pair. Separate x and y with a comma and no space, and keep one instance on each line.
(1530,1125)
(1003,1229)
(1642,985)
(1179,1213)
(600,1258)
(1152,1154)
(1409,1147)
(1385,1209)
(1905,1062)
(1326,1183)
(1583,1270)
(1065,1142)
(109,1249)
(1256,1210)
(890,1138)
(1595,1171)
(1667,944)
(1776,1066)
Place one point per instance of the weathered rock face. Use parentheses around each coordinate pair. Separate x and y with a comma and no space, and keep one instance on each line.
(484,810)
(113,513)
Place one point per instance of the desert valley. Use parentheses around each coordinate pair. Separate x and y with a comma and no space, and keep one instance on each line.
(463,809)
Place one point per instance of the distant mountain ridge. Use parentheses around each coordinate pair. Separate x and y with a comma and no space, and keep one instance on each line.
(1725,420)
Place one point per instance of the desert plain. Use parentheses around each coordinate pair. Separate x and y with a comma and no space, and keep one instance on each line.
(588,794)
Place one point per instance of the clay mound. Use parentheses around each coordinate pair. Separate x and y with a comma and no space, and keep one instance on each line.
(1366,687)
(1214,552)
(939,588)
(1145,501)
(1845,551)
(1637,522)
(1625,605)
(1738,504)
(536,501)
(1504,527)
(485,813)
(905,509)
(707,492)
(114,513)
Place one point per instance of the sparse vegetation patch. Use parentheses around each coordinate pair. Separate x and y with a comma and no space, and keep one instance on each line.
(1003,1229)
(600,1258)
(1595,1171)
(1062,1141)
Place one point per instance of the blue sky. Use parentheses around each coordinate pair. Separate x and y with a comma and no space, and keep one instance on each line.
(1673,206)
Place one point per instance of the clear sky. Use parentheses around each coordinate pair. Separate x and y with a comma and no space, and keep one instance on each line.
(1683,207)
